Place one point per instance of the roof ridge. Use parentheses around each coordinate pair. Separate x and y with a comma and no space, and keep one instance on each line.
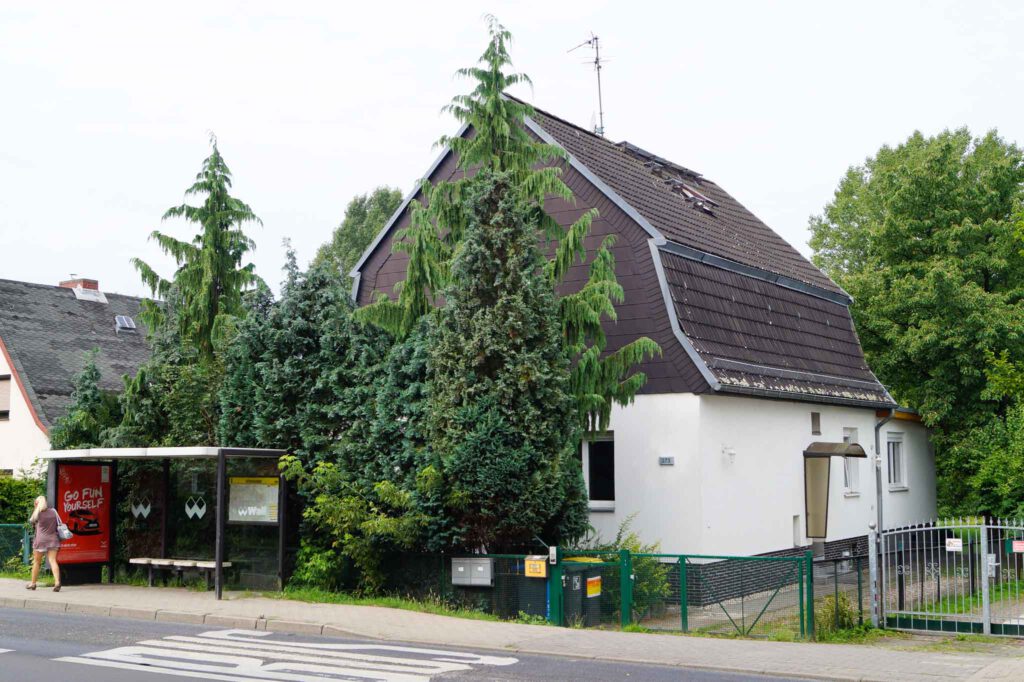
(40,285)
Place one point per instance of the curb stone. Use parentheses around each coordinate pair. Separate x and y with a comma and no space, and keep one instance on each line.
(128,612)
(186,617)
(37,605)
(295,626)
(87,609)
(230,621)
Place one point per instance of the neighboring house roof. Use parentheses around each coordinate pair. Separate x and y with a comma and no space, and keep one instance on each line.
(752,314)
(46,331)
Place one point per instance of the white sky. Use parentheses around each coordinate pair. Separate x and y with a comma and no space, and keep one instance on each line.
(105,108)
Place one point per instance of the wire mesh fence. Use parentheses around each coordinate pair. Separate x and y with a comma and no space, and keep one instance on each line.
(496,584)
(722,595)
(13,543)
(842,593)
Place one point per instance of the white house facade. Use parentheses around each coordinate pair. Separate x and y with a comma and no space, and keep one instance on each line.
(22,436)
(723,474)
(761,366)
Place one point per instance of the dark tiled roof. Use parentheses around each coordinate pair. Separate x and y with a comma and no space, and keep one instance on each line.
(47,332)
(759,336)
(729,230)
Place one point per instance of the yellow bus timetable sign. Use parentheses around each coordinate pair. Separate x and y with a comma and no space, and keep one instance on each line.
(536,567)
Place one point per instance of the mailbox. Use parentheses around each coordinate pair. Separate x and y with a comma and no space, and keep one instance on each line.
(473,572)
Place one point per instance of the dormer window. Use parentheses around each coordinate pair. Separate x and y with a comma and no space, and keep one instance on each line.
(124,324)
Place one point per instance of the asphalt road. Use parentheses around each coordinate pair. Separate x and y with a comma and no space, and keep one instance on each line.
(46,646)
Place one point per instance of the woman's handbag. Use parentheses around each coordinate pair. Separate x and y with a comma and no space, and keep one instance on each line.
(63,532)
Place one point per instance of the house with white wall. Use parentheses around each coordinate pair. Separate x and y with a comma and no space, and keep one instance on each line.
(45,333)
(760,360)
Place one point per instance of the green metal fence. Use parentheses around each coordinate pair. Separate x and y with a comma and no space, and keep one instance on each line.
(724,595)
(14,543)
(749,596)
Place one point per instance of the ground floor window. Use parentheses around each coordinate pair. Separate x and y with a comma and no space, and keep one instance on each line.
(897,462)
(851,465)
(599,471)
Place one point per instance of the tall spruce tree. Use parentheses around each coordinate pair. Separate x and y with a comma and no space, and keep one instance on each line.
(502,144)
(501,418)
(210,278)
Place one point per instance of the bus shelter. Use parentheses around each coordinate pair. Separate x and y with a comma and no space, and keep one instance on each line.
(212,510)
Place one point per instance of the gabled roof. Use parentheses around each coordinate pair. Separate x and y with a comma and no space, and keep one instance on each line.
(753,315)
(47,331)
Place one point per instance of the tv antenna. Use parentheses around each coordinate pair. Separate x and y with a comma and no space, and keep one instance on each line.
(593,42)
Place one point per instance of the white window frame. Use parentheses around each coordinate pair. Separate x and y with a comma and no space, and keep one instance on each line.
(851,466)
(6,397)
(595,505)
(896,462)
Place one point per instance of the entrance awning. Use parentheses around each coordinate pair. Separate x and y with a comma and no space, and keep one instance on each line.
(822,449)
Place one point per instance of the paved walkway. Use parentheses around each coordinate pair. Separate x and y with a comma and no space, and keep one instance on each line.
(821,661)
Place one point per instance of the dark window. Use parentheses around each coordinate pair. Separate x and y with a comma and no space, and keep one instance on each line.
(815,423)
(602,470)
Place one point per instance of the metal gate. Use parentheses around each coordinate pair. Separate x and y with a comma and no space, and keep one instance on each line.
(958,575)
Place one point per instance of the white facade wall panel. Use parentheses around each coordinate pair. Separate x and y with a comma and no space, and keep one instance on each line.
(737,483)
(21,439)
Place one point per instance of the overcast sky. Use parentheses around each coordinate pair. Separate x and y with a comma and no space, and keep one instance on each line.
(105,109)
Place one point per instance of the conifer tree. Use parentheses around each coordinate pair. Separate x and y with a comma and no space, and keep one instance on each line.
(502,144)
(210,278)
(501,419)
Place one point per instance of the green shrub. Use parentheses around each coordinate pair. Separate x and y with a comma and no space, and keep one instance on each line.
(832,615)
(650,584)
(318,567)
(16,498)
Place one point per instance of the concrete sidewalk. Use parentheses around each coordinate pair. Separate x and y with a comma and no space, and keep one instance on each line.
(821,661)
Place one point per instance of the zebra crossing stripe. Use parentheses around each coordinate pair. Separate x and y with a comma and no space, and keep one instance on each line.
(246,655)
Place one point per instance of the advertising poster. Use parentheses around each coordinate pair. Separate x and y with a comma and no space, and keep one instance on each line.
(252,500)
(83,502)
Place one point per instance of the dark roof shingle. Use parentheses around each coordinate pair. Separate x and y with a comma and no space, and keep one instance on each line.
(757,336)
(730,231)
(47,332)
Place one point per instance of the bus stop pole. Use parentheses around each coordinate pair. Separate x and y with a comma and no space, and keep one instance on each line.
(219,541)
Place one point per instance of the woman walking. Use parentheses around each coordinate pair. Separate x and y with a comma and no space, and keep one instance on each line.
(46,542)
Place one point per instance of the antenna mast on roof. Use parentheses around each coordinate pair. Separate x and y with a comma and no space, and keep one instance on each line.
(593,42)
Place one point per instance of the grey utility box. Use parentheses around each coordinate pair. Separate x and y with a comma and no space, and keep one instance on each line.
(473,572)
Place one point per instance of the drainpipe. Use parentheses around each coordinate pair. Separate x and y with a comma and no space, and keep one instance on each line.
(878,466)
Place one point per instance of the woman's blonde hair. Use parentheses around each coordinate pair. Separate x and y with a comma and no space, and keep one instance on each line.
(40,506)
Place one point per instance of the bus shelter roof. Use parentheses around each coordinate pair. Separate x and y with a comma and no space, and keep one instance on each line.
(194,452)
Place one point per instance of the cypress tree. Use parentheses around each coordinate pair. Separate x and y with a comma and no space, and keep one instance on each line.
(501,418)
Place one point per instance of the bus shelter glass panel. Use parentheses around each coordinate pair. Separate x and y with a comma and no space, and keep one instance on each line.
(192,531)
(141,507)
(252,533)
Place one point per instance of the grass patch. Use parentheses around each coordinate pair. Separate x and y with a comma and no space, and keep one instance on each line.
(1010,589)
(433,604)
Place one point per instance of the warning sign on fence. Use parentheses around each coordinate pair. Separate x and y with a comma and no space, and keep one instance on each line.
(1018,546)
(954,545)
(536,567)
(594,587)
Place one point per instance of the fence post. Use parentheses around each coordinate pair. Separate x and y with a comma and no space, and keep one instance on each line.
(626,585)
(684,613)
(809,568)
(986,605)
(26,547)
(556,591)
(874,549)
(860,592)
(800,589)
